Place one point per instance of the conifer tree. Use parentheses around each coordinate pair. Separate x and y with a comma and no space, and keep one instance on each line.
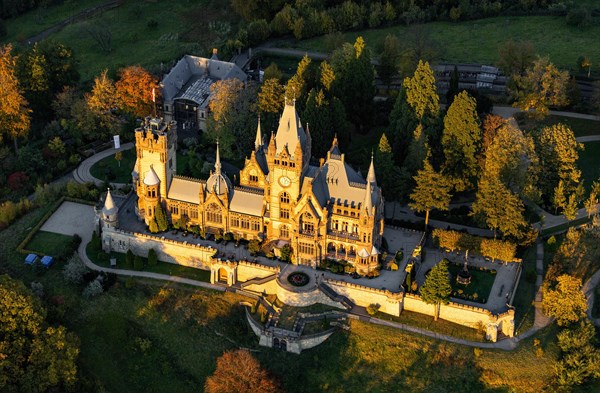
(152,258)
(296,86)
(566,302)
(421,93)
(437,289)
(327,75)
(161,219)
(403,120)
(14,113)
(461,141)
(152,226)
(388,61)
(432,190)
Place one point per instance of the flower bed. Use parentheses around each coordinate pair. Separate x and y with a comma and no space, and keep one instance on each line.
(298,279)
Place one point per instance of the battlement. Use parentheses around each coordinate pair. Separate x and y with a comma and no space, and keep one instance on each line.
(155,133)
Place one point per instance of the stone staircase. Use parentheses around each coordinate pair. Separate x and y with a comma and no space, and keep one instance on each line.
(258,281)
(333,295)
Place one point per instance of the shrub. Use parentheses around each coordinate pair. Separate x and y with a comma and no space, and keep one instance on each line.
(152,258)
(477,352)
(254,247)
(74,270)
(228,237)
(138,263)
(129,259)
(93,289)
(372,309)
(38,289)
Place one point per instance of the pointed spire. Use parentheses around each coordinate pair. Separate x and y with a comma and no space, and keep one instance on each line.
(109,203)
(368,203)
(335,141)
(258,142)
(218,161)
(371,174)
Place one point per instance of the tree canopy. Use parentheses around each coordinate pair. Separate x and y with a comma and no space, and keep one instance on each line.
(421,93)
(437,289)
(566,302)
(134,90)
(238,371)
(14,111)
(431,192)
(34,357)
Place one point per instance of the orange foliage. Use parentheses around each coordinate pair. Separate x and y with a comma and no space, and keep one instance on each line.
(240,372)
(134,90)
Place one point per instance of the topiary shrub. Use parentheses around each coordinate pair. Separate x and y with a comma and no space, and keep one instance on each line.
(373,309)
(152,258)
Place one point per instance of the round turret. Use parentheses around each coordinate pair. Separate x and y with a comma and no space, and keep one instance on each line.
(110,212)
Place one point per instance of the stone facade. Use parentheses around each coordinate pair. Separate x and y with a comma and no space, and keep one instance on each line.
(325,211)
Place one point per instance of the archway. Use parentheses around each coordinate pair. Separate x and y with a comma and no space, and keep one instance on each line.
(223,275)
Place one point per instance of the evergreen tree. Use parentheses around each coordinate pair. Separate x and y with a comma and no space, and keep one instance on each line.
(152,258)
(566,302)
(296,86)
(161,218)
(354,81)
(403,121)
(421,93)
(388,60)
(437,289)
(453,88)
(138,263)
(461,141)
(129,259)
(153,226)
(327,75)
(14,113)
(316,114)
(384,163)
(432,190)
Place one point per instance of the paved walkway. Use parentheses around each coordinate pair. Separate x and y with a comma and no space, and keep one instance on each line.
(82,172)
(509,111)
(588,290)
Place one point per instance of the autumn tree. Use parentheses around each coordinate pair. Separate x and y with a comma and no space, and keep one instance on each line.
(99,117)
(514,57)
(565,302)
(232,118)
(499,208)
(558,152)
(134,90)
(272,72)
(437,289)
(14,113)
(238,371)
(461,141)
(103,98)
(35,357)
(421,93)
(431,192)
(541,87)
(296,85)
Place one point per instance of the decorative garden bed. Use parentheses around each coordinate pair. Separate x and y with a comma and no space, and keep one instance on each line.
(298,279)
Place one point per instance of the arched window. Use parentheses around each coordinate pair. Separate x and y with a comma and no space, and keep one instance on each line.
(308,225)
(213,214)
(284,232)
(284,198)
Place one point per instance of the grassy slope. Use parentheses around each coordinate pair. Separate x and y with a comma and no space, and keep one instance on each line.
(122,172)
(477,41)
(161,337)
(36,21)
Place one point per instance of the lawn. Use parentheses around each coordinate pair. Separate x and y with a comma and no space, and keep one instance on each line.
(580,127)
(477,41)
(49,243)
(523,301)
(166,268)
(479,288)
(589,162)
(164,337)
(183,27)
(109,168)
(38,20)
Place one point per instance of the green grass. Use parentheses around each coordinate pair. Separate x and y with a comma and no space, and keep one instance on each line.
(580,127)
(523,301)
(477,41)
(589,162)
(49,243)
(166,268)
(183,27)
(481,283)
(36,21)
(122,172)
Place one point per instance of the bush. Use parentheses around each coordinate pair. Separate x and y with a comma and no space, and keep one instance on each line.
(372,309)
(152,258)
(138,263)
(93,289)
(129,259)
(228,237)
(74,270)
(254,247)
(38,289)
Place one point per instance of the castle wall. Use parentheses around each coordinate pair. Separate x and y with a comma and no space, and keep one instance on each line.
(389,302)
(185,254)
(248,270)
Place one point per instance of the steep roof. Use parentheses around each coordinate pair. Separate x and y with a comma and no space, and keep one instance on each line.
(186,190)
(290,131)
(151,178)
(193,66)
(247,201)
(109,205)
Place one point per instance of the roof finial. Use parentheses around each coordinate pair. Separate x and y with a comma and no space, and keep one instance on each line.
(371,174)
(258,142)
(218,160)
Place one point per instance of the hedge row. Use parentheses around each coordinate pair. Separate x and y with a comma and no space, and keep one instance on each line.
(21,248)
(492,248)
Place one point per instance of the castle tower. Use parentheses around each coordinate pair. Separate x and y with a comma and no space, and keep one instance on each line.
(288,157)
(110,212)
(149,196)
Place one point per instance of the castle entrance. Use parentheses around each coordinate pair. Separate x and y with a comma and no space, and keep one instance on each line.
(223,275)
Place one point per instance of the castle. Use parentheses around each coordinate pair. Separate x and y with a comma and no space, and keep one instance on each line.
(325,211)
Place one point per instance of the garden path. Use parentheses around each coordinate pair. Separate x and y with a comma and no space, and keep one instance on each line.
(82,172)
